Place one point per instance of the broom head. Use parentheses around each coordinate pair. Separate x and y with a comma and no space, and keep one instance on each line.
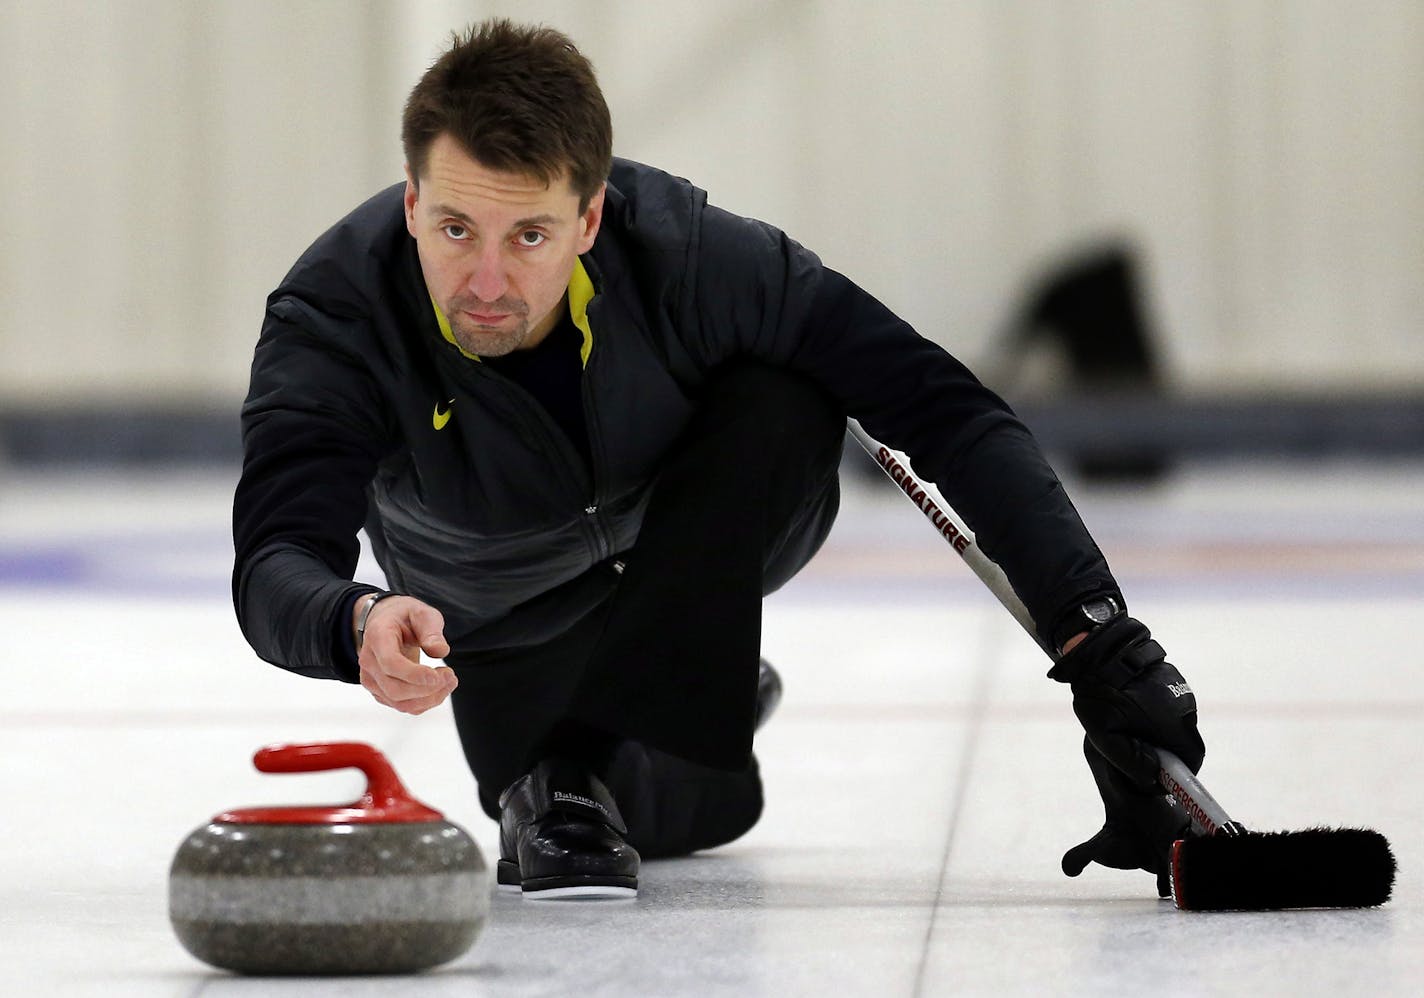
(1268,871)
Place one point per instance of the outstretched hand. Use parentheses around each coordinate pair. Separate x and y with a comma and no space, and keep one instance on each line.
(1138,830)
(398,629)
(1131,701)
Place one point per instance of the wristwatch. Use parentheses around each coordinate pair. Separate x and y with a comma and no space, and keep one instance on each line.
(1090,615)
(371,599)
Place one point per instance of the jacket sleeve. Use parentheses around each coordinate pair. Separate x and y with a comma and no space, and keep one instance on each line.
(312,437)
(757,292)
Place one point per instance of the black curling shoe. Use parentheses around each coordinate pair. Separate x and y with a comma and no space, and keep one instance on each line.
(561,836)
(768,692)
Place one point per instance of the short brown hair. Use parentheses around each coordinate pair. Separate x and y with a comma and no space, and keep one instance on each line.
(518,99)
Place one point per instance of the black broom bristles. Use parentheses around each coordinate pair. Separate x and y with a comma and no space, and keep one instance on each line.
(1267,871)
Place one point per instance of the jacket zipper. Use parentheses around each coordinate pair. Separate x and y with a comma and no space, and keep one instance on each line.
(598,535)
(598,521)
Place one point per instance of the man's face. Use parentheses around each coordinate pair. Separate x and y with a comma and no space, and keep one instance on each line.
(497,249)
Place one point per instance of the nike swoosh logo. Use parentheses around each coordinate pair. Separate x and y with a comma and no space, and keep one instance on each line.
(441,418)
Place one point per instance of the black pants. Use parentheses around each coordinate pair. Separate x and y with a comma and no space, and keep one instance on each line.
(668,665)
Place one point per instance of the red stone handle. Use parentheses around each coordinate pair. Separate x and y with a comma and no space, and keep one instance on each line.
(385,800)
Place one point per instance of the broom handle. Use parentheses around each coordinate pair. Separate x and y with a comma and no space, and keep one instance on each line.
(942,516)
(1207,815)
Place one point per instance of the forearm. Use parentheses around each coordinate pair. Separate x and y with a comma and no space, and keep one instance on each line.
(297,510)
(907,392)
(910,394)
(294,611)
(1024,522)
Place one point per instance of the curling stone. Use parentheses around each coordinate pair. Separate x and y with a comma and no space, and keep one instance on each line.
(382,885)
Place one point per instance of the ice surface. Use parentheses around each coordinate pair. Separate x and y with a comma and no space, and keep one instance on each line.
(923,777)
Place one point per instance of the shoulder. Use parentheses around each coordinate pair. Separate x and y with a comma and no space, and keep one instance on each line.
(643,196)
(652,217)
(357,259)
(355,298)
(649,216)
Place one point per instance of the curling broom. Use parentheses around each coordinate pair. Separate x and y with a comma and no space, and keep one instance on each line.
(1223,867)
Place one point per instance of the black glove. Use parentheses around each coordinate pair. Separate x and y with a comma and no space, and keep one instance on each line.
(1139,829)
(1131,700)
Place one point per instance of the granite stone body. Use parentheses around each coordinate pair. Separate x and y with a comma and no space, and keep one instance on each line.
(354,898)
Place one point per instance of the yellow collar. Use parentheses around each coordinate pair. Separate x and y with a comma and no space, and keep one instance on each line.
(580,294)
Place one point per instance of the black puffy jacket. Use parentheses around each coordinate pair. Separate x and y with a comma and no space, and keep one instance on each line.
(361,413)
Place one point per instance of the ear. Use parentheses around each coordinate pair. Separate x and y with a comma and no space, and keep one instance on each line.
(590,220)
(412,191)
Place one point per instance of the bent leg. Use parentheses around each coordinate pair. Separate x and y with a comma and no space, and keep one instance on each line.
(667,670)
(742,502)
(511,705)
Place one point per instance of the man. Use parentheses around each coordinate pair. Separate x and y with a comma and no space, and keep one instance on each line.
(588,421)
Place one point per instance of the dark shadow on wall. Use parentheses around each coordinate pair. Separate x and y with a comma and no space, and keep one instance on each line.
(1092,309)
(129,435)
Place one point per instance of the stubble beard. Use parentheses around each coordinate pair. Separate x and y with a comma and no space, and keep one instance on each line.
(486,341)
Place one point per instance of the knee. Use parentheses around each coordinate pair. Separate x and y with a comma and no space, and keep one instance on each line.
(674,808)
(734,816)
(724,814)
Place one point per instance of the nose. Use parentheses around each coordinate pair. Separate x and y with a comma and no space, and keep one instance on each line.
(488,280)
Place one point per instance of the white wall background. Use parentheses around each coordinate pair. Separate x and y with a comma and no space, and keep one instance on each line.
(164,161)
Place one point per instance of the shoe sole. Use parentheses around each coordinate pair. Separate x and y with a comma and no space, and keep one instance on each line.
(583,892)
(557,888)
